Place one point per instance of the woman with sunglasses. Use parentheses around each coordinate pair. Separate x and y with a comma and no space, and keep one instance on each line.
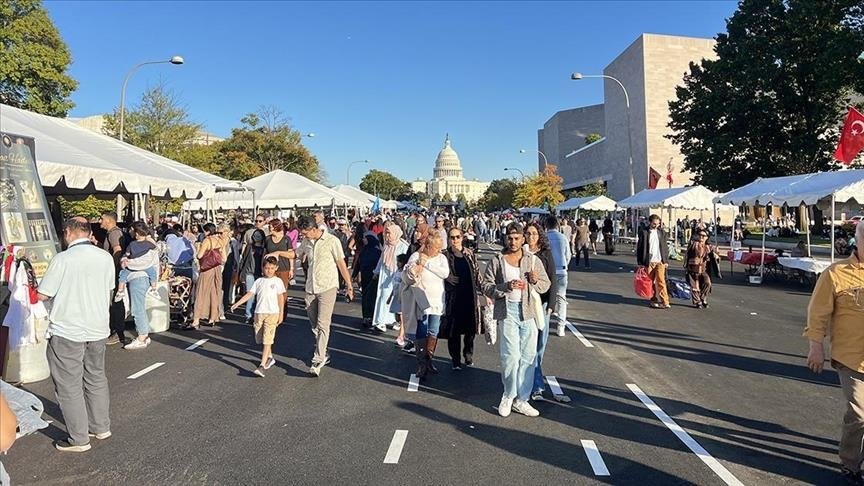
(698,253)
(461,320)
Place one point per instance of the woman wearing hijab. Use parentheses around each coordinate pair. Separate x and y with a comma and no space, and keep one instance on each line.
(394,246)
(461,318)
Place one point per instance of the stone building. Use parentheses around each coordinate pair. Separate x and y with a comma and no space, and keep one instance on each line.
(96,123)
(650,68)
(448,179)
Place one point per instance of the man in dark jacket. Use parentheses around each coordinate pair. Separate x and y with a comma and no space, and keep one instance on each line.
(652,252)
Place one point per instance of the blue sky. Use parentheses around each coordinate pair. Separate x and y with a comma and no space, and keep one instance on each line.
(382,81)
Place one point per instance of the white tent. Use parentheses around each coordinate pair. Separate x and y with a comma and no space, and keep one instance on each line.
(840,186)
(362,197)
(590,203)
(694,198)
(276,189)
(73,160)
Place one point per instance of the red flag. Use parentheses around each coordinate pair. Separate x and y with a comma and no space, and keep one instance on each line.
(852,138)
(653,178)
(669,169)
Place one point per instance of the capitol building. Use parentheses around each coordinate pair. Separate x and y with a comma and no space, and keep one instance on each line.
(448,179)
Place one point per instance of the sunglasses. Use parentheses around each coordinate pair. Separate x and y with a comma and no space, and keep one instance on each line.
(455,237)
(439,220)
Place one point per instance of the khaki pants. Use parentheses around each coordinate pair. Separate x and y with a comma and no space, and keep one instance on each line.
(319,308)
(851,450)
(657,272)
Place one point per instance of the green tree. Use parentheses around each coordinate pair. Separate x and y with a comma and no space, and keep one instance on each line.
(460,198)
(595,189)
(384,184)
(591,138)
(266,142)
(447,197)
(772,102)
(201,157)
(158,123)
(89,207)
(498,196)
(33,60)
(540,189)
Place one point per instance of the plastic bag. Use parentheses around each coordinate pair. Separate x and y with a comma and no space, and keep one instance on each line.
(642,283)
(490,327)
(679,289)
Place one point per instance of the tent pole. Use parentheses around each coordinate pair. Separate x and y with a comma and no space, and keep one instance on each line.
(762,263)
(833,201)
(807,229)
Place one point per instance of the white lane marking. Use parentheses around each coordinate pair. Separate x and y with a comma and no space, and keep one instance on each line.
(554,386)
(396,446)
(682,435)
(195,345)
(145,371)
(594,457)
(579,335)
(413,383)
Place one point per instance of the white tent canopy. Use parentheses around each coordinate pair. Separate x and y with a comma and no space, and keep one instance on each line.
(276,189)
(808,189)
(362,197)
(694,198)
(73,160)
(590,203)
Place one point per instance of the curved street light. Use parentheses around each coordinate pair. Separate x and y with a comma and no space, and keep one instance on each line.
(545,160)
(348,171)
(521,174)
(176,60)
(578,76)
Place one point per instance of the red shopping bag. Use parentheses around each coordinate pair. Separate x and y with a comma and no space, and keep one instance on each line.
(642,283)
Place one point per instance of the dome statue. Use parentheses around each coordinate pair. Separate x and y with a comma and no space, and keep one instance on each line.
(447,164)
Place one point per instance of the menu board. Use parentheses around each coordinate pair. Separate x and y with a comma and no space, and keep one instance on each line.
(24,217)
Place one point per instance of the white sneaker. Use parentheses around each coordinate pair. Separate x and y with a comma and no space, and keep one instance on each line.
(270,363)
(562,326)
(137,344)
(102,436)
(505,407)
(525,408)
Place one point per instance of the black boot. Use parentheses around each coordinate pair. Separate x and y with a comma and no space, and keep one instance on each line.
(431,343)
(422,367)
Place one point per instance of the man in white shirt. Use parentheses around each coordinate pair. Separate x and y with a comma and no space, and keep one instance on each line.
(652,252)
(561,254)
(79,281)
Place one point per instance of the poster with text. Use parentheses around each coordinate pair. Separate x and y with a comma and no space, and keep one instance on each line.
(24,217)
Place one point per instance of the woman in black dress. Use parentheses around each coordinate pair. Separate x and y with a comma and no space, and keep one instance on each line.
(461,320)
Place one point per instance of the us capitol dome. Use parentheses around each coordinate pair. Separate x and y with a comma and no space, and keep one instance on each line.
(447,178)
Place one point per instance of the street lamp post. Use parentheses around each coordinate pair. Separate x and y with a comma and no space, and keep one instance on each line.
(348,171)
(177,60)
(545,160)
(521,174)
(578,76)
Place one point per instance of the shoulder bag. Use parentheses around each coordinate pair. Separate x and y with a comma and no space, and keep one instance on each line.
(534,301)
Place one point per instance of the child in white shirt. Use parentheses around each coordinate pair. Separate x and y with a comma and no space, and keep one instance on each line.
(269,293)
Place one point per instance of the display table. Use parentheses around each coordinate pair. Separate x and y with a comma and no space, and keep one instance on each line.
(753,260)
(805,264)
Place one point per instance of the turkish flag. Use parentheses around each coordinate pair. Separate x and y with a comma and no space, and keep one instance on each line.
(852,138)
(653,178)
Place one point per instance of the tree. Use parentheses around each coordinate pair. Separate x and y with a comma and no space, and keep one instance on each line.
(266,142)
(33,60)
(89,207)
(595,189)
(384,184)
(591,138)
(461,199)
(498,196)
(158,123)
(201,157)
(447,197)
(771,104)
(540,189)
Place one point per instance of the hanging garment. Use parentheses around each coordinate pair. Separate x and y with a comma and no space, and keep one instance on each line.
(22,314)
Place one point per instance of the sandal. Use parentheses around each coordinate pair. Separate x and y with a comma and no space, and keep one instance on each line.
(189,327)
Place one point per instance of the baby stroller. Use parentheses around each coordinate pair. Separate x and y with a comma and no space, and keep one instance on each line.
(180,291)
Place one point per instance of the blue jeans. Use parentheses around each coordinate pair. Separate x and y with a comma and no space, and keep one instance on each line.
(560,301)
(542,338)
(518,351)
(428,326)
(250,304)
(123,277)
(137,297)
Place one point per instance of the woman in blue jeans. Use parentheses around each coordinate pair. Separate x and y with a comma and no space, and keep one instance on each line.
(138,285)
(427,269)
(509,279)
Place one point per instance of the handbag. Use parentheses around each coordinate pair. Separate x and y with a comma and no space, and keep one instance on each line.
(642,283)
(536,303)
(212,258)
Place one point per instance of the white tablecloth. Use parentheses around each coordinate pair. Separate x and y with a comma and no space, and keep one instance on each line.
(805,264)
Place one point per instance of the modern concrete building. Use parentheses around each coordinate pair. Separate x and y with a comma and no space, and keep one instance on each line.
(448,179)
(96,123)
(650,69)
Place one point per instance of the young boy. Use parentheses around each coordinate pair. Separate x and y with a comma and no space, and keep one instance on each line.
(140,256)
(395,301)
(269,293)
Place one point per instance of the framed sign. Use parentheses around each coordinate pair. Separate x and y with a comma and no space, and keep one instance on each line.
(25,220)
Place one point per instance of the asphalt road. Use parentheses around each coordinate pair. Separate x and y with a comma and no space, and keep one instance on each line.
(729,381)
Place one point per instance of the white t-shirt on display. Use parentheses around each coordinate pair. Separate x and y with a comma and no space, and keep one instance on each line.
(267,292)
